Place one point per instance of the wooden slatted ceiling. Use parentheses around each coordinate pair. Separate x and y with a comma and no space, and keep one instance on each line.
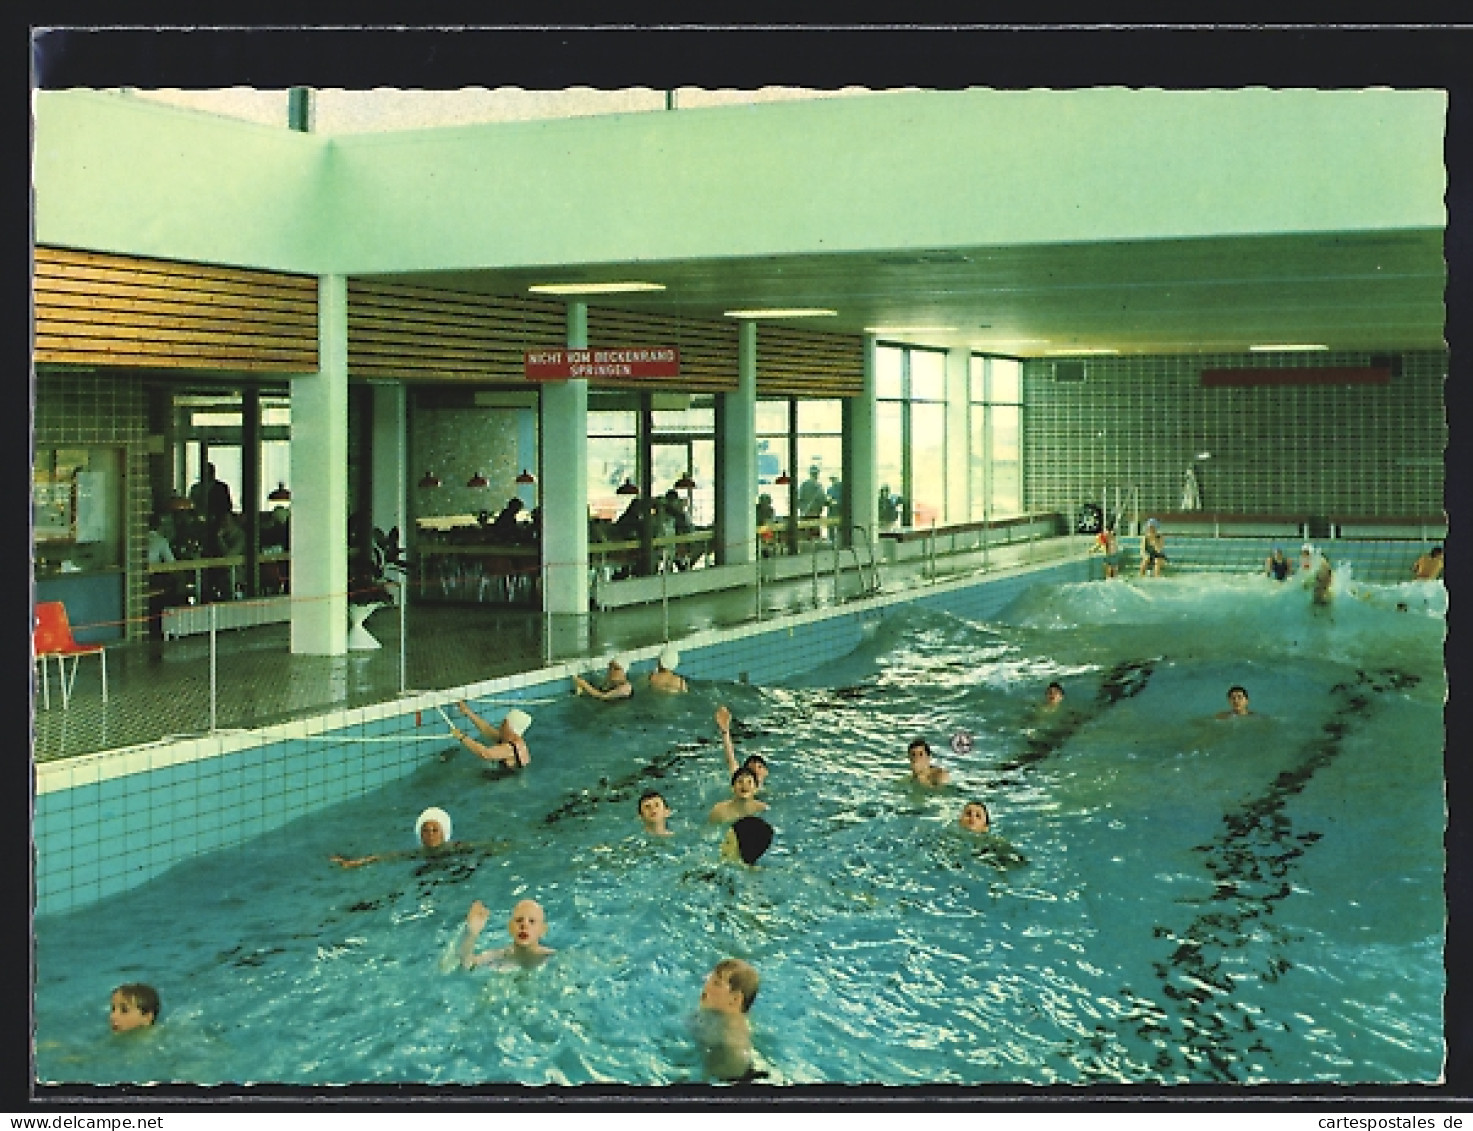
(98,309)
(804,363)
(708,349)
(421,333)
(412,333)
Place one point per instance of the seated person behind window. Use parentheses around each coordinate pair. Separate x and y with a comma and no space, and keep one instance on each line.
(506,528)
(159,550)
(889,506)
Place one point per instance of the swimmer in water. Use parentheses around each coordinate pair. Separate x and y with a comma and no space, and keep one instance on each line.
(663,678)
(134,1005)
(432,830)
(510,748)
(1429,566)
(754,762)
(616,683)
(746,840)
(1053,696)
(975,818)
(1237,699)
(742,803)
(1277,566)
(921,768)
(526,926)
(654,811)
(1153,549)
(722,1029)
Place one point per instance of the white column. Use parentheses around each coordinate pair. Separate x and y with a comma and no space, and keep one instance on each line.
(739,456)
(958,503)
(859,448)
(319,521)
(563,483)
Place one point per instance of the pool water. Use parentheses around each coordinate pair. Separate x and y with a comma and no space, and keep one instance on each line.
(1170,897)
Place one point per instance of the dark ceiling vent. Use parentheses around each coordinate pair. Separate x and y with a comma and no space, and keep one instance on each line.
(1068,371)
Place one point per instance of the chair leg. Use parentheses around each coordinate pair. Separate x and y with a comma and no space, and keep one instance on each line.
(67,684)
(45,682)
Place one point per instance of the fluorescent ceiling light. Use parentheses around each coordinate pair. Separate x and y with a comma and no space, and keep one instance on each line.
(592,288)
(779,312)
(1286,347)
(1077,353)
(910,329)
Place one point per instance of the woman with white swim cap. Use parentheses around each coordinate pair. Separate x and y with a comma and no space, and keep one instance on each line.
(509,748)
(432,829)
(663,678)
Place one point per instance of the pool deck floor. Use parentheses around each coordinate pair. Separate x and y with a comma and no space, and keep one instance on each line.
(159,690)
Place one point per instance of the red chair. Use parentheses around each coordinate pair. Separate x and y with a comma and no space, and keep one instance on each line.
(52,637)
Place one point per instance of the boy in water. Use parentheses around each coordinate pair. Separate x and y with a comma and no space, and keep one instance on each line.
(722,1029)
(975,818)
(921,769)
(754,762)
(526,926)
(1053,695)
(742,803)
(134,1006)
(653,813)
(1237,704)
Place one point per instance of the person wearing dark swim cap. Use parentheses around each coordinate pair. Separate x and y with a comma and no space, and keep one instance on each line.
(746,840)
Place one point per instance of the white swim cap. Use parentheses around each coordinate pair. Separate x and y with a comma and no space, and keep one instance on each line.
(518,720)
(669,658)
(439,816)
(1306,549)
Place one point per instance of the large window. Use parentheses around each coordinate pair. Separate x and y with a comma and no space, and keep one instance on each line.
(800,456)
(995,423)
(910,423)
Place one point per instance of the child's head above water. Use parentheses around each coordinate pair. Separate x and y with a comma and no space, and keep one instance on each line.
(744,774)
(975,817)
(527,925)
(731,987)
(653,809)
(134,1006)
(433,827)
(758,765)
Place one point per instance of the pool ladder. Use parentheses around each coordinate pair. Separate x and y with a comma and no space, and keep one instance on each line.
(867,584)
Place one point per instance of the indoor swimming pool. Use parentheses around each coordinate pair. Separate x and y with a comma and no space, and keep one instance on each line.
(1169,897)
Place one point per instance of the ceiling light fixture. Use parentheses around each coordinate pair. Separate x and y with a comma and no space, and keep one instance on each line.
(526,477)
(592,288)
(1289,347)
(281,494)
(477,481)
(783,480)
(627,488)
(429,479)
(780,312)
(1079,353)
(685,483)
